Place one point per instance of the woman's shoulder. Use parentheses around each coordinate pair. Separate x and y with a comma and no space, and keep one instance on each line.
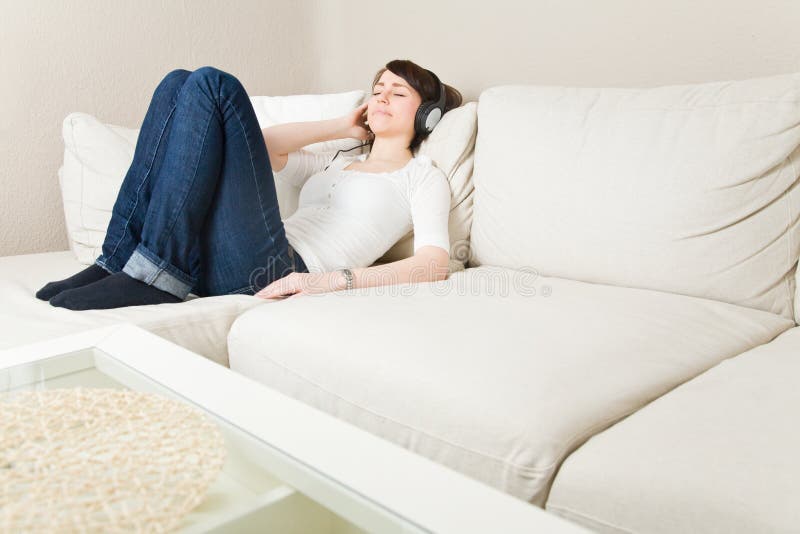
(423,160)
(425,168)
(421,165)
(425,178)
(420,169)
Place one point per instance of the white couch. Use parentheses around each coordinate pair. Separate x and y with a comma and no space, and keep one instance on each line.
(200,325)
(622,347)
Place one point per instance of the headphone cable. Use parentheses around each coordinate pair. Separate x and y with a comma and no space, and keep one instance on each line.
(343,150)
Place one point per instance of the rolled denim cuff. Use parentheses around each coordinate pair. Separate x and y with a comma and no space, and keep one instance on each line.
(146,266)
(102,264)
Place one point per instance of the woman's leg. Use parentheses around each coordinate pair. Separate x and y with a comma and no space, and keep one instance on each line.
(242,246)
(212,220)
(222,223)
(130,209)
(127,217)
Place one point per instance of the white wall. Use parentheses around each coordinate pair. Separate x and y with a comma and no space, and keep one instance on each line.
(106,57)
(476,44)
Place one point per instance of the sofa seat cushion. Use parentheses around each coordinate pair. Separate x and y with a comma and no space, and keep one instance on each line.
(481,375)
(717,454)
(199,324)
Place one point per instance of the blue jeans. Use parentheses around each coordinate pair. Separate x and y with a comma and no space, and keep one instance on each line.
(197,211)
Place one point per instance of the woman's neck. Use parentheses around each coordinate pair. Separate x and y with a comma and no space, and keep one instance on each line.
(393,150)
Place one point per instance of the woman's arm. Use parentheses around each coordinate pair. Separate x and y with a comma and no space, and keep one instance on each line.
(429,264)
(284,138)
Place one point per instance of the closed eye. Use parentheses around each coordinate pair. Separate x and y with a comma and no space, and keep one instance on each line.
(395,94)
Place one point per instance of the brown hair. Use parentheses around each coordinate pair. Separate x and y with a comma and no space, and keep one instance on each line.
(425,84)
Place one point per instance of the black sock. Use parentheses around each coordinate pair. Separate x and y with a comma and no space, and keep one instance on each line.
(114,291)
(90,274)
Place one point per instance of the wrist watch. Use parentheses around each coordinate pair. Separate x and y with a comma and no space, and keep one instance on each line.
(348,275)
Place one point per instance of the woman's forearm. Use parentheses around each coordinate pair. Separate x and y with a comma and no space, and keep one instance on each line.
(429,264)
(291,136)
(422,267)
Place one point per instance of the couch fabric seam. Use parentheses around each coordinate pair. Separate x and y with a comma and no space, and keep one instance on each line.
(789,196)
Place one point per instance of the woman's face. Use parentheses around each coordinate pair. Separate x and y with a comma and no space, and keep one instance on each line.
(393,105)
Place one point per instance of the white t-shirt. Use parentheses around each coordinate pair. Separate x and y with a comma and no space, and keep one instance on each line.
(349,218)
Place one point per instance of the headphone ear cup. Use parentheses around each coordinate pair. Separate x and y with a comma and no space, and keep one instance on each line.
(427,108)
(417,122)
(433,118)
(422,115)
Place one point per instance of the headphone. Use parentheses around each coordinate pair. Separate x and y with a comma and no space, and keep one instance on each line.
(428,116)
(430,112)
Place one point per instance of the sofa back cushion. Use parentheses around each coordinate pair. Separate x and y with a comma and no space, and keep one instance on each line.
(690,189)
(96,158)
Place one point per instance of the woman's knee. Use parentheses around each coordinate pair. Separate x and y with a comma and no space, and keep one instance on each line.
(177,73)
(173,80)
(215,76)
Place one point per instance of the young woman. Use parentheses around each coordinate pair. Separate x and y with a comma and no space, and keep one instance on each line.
(197,211)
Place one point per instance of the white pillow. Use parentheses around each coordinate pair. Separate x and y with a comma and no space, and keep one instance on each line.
(272,110)
(97,157)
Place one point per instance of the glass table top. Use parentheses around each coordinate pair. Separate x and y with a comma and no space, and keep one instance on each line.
(260,488)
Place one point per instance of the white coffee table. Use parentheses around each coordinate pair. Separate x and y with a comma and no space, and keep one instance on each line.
(289,468)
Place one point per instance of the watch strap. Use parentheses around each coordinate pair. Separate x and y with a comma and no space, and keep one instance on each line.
(348,276)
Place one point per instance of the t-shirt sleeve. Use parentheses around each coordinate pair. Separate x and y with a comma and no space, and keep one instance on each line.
(300,166)
(430,210)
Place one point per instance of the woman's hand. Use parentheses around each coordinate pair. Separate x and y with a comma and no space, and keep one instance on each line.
(354,124)
(297,284)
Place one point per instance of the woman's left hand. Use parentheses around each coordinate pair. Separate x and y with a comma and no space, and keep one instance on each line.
(354,124)
(298,284)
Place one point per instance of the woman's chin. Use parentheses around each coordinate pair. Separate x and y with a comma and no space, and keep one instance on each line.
(380,120)
(381,129)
